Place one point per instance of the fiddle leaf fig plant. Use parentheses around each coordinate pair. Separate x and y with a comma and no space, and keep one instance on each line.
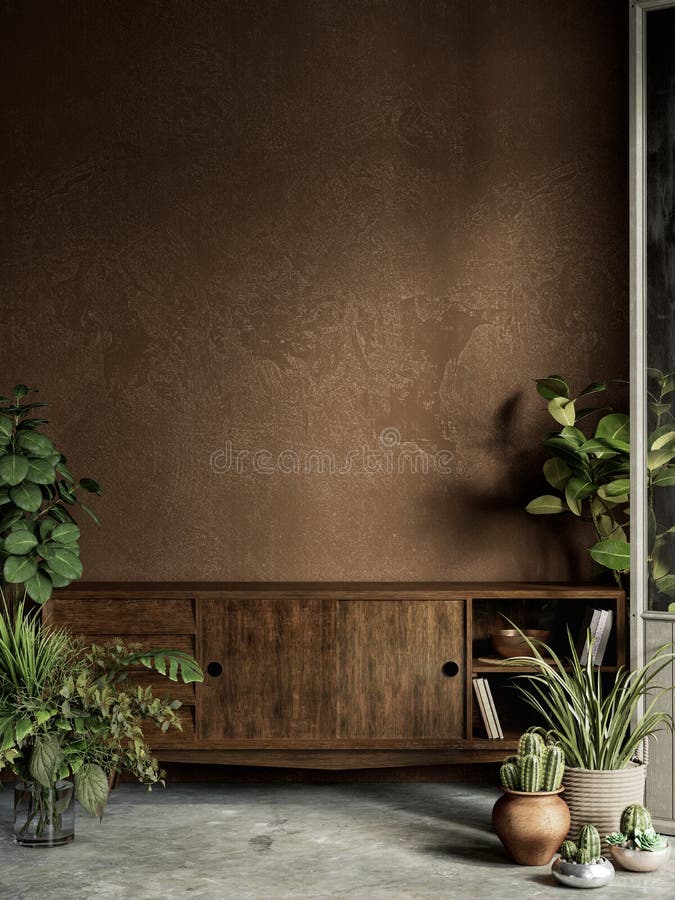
(39,536)
(590,471)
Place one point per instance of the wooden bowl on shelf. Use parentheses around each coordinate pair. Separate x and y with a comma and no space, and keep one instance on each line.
(509,642)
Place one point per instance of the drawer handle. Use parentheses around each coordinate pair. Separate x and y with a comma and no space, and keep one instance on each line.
(215,669)
(450,669)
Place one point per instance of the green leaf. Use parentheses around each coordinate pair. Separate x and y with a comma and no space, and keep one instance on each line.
(599,448)
(18,569)
(57,580)
(4,496)
(23,728)
(62,561)
(63,470)
(593,388)
(611,500)
(668,384)
(19,391)
(13,468)
(47,525)
(91,788)
(562,410)
(658,409)
(588,411)
(6,427)
(34,443)
(45,759)
(573,435)
(90,512)
(20,542)
(618,488)
(656,458)
(664,477)
(656,375)
(40,472)
(662,437)
(612,554)
(10,518)
(89,484)
(546,505)
(26,496)
(553,386)
(557,472)
(666,585)
(615,426)
(39,587)
(573,504)
(66,533)
(580,488)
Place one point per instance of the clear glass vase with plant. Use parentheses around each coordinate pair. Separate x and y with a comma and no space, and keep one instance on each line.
(68,711)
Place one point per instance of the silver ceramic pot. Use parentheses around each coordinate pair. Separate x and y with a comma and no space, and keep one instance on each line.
(580,875)
(640,860)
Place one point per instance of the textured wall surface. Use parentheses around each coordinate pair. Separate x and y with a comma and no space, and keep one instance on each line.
(356,227)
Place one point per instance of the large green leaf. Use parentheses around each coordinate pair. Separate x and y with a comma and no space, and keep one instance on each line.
(18,569)
(574,435)
(557,472)
(618,488)
(20,542)
(57,580)
(546,505)
(47,525)
(658,458)
(26,496)
(13,468)
(615,426)
(34,443)
(552,386)
(62,561)
(599,448)
(612,554)
(594,388)
(665,477)
(40,472)
(91,788)
(666,585)
(45,759)
(562,410)
(39,587)
(66,533)
(6,427)
(662,437)
(580,488)
(10,518)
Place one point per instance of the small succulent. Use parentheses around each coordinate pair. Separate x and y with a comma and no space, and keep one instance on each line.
(538,766)
(616,839)
(650,840)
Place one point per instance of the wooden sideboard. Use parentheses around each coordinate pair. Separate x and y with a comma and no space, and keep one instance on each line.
(332,676)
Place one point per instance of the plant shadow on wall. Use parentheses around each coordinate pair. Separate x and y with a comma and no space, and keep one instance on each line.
(67,712)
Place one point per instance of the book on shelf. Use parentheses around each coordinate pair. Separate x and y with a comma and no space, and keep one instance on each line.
(487,708)
(599,623)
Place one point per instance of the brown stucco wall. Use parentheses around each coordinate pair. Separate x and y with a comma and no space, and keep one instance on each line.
(288,226)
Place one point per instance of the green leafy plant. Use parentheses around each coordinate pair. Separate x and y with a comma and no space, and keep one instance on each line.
(592,723)
(661,478)
(39,547)
(65,709)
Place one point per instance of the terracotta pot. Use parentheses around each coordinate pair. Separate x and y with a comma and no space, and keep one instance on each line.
(531,826)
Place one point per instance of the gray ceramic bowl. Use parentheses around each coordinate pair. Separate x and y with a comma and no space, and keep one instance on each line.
(578,875)
(640,860)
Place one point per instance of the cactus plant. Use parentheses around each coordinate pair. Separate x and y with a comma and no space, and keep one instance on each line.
(510,776)
(530,744)
(553,766)
(589,839)
(583,856)
(512,759)
(635,818)
(530,773)
(568,850)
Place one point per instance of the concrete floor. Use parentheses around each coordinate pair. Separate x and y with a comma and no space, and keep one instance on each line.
(371,841)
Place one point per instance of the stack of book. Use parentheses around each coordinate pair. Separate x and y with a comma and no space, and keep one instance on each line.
(599,622)
(488,710)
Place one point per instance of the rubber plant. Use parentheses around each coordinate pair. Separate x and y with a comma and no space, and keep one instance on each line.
(590,471)
(39,537)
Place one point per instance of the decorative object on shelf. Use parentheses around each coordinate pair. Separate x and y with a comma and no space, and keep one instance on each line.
(593,725)
(509,641)
(38,494)
(637,847)
(488,710)
(581,864)
(531,818)
(65,714)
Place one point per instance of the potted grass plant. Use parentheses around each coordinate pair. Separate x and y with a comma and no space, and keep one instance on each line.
(594,718)
(70,716)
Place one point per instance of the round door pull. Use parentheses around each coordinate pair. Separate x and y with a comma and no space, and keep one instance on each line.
(215,669)
(450,668)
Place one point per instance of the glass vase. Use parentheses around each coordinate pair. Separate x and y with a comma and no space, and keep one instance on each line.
(44,817)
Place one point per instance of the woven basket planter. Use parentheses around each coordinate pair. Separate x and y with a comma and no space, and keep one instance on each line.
(598,797)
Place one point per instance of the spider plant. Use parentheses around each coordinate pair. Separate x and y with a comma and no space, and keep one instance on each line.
(588,717)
